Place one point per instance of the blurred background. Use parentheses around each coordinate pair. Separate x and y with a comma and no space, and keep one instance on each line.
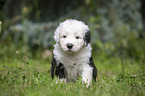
(26,42)
(117,26)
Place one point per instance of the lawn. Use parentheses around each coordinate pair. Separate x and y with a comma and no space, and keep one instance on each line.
(22,74)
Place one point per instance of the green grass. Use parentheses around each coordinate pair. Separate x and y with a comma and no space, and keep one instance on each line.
(22,74)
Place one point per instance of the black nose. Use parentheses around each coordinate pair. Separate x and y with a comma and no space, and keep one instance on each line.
(69,46)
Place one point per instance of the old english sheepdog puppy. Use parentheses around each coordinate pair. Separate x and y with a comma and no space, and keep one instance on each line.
(72,53)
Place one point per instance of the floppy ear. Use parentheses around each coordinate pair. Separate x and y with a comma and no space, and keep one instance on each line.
(87,37)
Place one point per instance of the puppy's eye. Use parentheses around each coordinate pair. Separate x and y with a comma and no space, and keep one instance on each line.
(77,37)
(64,36)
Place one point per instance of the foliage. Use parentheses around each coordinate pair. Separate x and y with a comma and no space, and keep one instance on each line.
(117,26)
(114,24)
(33,34)
(117,18)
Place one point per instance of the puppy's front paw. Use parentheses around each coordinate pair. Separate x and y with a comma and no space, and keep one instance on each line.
(63,80)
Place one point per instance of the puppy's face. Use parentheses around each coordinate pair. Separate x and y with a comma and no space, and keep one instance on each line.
(72,35)
(71,41)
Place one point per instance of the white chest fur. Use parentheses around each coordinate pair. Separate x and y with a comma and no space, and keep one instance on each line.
(75,64)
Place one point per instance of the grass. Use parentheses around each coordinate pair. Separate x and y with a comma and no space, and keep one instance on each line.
(22,74)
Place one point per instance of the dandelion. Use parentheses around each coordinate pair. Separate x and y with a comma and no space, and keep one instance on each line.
(17,52)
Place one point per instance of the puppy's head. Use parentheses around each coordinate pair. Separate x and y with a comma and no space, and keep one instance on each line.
(72,35)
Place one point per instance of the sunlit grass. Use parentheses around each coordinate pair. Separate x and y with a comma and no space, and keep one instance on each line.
(23,74)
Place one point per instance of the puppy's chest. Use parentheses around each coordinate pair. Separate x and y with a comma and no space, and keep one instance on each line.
(72,72)
(73,62)
(73,67)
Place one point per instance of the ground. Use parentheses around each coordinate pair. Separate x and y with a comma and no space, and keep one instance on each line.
(22,74)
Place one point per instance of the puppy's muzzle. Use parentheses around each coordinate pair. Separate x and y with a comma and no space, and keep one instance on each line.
(69,46)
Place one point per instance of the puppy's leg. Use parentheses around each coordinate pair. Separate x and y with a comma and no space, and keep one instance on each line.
(87,74)
(53,65)
(91,63)
(60,72)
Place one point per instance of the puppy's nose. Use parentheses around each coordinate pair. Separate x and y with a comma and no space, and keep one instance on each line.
(69,46)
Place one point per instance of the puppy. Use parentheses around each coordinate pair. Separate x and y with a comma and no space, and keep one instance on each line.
(72,56)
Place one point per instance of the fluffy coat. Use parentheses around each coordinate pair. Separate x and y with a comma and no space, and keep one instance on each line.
(72,53)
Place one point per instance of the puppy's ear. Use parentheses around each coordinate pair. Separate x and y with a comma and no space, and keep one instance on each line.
(87,37)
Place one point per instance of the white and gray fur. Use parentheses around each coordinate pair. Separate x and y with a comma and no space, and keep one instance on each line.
(72,52)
